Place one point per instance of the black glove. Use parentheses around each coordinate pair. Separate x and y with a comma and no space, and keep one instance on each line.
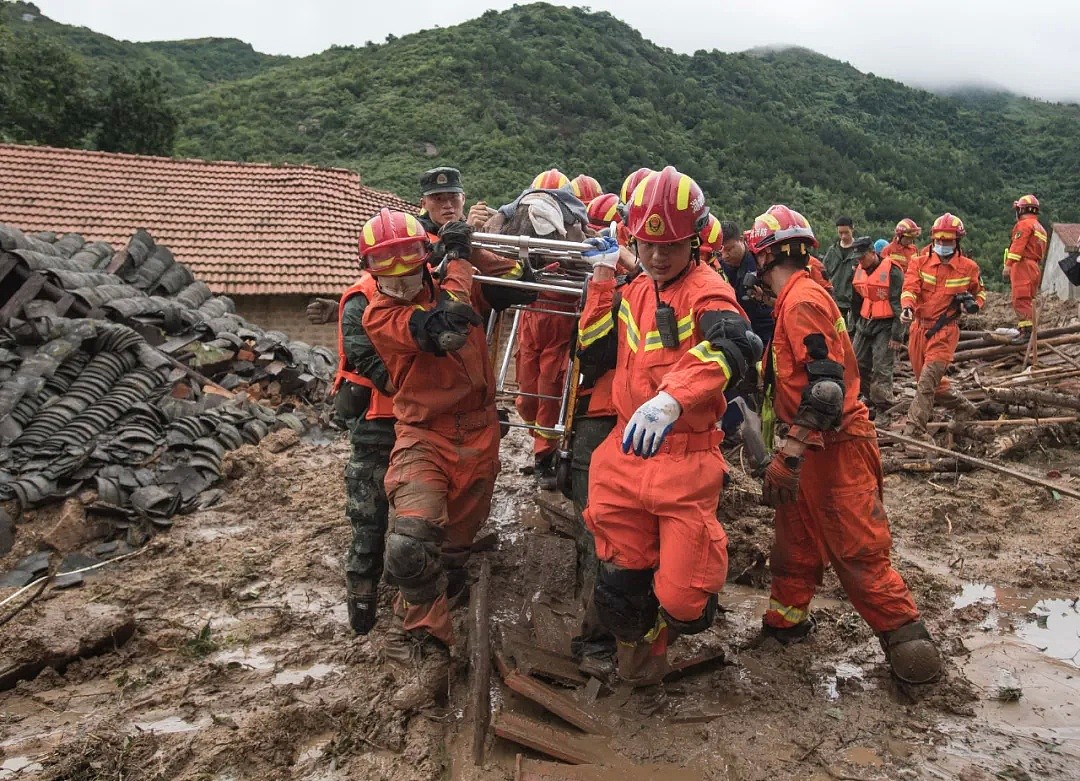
(731,333)
(967,302)
(456,238)
(445,328)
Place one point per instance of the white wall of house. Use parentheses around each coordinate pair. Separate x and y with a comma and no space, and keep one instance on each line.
(1054,280)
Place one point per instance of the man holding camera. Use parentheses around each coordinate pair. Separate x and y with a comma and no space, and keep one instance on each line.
(940,284)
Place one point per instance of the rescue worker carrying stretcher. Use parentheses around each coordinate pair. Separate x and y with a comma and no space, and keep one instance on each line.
(825,481)
(875,311)
(679,339)
(939,285)
(1023,260)
(444,463)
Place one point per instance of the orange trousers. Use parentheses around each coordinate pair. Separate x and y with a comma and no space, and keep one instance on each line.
(659,513)
(939,347)
(838,517)
(1024,277)
(444,474)
(542,360)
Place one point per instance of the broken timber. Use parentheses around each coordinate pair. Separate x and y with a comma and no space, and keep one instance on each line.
(480,664)
(981,463)
(556,742)
(1034,398)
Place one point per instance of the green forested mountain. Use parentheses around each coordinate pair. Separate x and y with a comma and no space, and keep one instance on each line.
(509,94)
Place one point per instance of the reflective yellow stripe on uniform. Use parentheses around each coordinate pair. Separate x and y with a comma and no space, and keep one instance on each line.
(792,615)
(906,295)
(633,333)
(840,326)
(686,330)
(929,279)
(596,331)
(704,351)
(514,273)
(958,282)
(1040,235)
(1012,256)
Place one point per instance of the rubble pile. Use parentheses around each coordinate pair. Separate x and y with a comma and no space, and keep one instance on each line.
(124,381)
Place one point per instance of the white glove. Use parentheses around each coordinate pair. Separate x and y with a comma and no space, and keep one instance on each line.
(606,252)
(649,426)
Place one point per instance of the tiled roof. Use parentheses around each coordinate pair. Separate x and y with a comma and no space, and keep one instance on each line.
(1069,232)
(244,228)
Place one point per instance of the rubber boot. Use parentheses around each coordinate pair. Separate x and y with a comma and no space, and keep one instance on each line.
(645,672)
(923,406)
(423,664)
(790,635)
(912,654)
(362,601)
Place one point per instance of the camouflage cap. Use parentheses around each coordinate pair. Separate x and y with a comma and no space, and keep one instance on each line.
(862,245)
(441,180)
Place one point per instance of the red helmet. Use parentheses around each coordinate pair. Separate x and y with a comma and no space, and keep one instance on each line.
(585,188)
(947,227)
(603,209)
(665,207)
(553,179)
(781,225)
(712,235)
(908,228)
(393,244)
(632,181)
(1028,202)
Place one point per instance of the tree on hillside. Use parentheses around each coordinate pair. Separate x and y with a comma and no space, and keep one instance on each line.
(43,93)
(136,115)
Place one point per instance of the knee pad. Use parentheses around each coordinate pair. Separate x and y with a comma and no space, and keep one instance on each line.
(412,559)
(698,625)
(625,602)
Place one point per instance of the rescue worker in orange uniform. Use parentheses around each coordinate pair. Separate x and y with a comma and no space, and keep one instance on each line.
(902,248)
(585,188)
(1023,260)
(712,244)
(679,340)
(825,481)
(875,311)
(443,467)
(544,336)
(362,391)
(939,285)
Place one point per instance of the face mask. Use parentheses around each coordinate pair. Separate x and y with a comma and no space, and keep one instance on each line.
(942,251)
(403,288)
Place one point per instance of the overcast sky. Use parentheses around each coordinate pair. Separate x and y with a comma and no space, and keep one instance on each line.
(1029,48)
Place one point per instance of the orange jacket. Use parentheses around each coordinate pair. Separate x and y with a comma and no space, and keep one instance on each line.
(1028,241)
(693,373)
(930,286)
(380,405)
(899,254)
(804,308)
(817,273)
(874,289)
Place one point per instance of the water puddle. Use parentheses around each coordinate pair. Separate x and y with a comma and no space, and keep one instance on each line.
(844,674)
(13,767)
(293,676)
(1050,623)
(169,725)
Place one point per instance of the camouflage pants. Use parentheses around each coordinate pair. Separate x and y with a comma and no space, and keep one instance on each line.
(876,360)
(367,509)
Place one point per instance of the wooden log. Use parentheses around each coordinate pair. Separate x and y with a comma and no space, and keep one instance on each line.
(1034,398)
(1063,355)
(575,748)
(1000,350)
(480,662)
(556,702)
(25,294)
(926,465)
(981,463)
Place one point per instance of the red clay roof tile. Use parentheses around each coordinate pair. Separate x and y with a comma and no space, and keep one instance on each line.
(242,227)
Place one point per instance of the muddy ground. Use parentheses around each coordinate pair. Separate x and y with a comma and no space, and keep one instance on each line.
(242,665)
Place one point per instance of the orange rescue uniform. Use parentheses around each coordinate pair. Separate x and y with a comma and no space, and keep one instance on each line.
(930,288)
(899,254)
(817,273)
(544,340)
(838,516)
(380,405)
(660,513)
(1022,260)
(444,464)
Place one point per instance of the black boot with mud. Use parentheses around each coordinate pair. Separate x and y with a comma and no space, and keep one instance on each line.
(790,635)
(362,600)
(912,654)
(423,667)
(544,470)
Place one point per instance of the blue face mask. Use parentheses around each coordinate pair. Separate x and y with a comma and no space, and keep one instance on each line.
(943,251)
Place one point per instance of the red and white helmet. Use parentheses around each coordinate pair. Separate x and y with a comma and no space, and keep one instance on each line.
(585,188)
(947,226)
(393,244)
(782,227)
(552,179)
(603,210)
(907,228)
(1027,203)
(665,207)
(632,181)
